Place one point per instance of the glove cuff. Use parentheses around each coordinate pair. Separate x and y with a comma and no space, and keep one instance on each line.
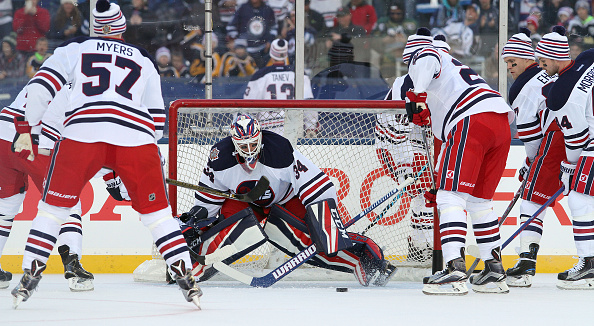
(413,97)
(567,167)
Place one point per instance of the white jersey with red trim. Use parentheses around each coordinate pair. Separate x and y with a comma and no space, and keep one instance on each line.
(52,122)
(570,103)
(115,96)
(289,172)
(527,96)
(456,90)
(394,131)
(277,82)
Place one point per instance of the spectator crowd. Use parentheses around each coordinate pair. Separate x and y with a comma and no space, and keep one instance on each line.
(173,30)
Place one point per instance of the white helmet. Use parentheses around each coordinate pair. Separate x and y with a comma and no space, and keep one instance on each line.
(245,133)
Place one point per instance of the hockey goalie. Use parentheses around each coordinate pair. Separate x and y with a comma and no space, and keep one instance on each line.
(297,210)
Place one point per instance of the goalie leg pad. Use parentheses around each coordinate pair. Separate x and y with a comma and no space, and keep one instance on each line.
(326,228)
(233,238)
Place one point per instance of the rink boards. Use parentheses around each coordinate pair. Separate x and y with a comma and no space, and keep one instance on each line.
(115,241)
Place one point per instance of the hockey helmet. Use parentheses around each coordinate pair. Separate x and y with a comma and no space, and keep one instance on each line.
(246,135)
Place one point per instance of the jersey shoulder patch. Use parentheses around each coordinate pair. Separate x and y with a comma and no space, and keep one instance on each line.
(221,155)
(277,151)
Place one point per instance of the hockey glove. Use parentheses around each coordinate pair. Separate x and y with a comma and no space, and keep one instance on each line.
(197,217)
(25,143)
(567,171)
(403,172)
(523,172)
(430,197)
(417,110)
(116,187)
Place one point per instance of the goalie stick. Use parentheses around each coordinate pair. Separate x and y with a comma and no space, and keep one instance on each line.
(501,221)
(278,273)
(250,197)
(523,226)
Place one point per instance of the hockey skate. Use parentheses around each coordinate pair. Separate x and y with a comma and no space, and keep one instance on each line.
(521,274)
(491,279)
(28,283)
(580,277)
(382,276)
(5,278)
(454,274)
(187,284)
(78,278)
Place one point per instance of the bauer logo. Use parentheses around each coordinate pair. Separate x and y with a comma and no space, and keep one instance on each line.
(584,178)
(152,197)
(295,262)
(450,174)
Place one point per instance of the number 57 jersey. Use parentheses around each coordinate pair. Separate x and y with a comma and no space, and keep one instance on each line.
(115,95)
(454,91)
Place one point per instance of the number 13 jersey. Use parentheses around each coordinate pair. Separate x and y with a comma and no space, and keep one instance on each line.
(454,91)
(115,96)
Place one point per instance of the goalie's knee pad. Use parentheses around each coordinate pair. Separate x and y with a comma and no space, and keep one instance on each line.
(231,239)
(326,228)
(286,231)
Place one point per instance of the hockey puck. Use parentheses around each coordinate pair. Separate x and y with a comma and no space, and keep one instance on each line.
(342,289)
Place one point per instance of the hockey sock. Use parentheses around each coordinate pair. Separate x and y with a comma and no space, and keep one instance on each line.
(9,207)
(167,236)
(5,227)
(452,223)
(485,225)
(71,234)
(533,232)
(43,234)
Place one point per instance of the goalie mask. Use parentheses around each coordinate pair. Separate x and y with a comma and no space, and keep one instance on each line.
(247,139)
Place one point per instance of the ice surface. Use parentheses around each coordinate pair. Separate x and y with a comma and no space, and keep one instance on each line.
(117,300)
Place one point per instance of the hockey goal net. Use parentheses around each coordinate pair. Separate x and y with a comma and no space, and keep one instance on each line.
(338,136)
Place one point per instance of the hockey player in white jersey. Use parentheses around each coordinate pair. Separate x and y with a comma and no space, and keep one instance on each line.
(470,119)
(401,152)
(277,82)
(14,173)
(543,142)
(297,190)
(116,116)
(570,104)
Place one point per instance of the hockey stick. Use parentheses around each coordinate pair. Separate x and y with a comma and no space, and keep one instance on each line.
(278,273)
(392,203)
(251,196)
(523,226)
(501,221)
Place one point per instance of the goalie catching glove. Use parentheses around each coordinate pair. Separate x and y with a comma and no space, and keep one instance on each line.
(417,110)
(25,143)
(567,171)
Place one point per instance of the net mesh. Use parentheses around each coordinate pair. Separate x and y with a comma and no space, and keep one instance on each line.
(345,145)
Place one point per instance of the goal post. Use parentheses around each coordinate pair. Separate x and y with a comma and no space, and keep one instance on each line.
(341,138)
